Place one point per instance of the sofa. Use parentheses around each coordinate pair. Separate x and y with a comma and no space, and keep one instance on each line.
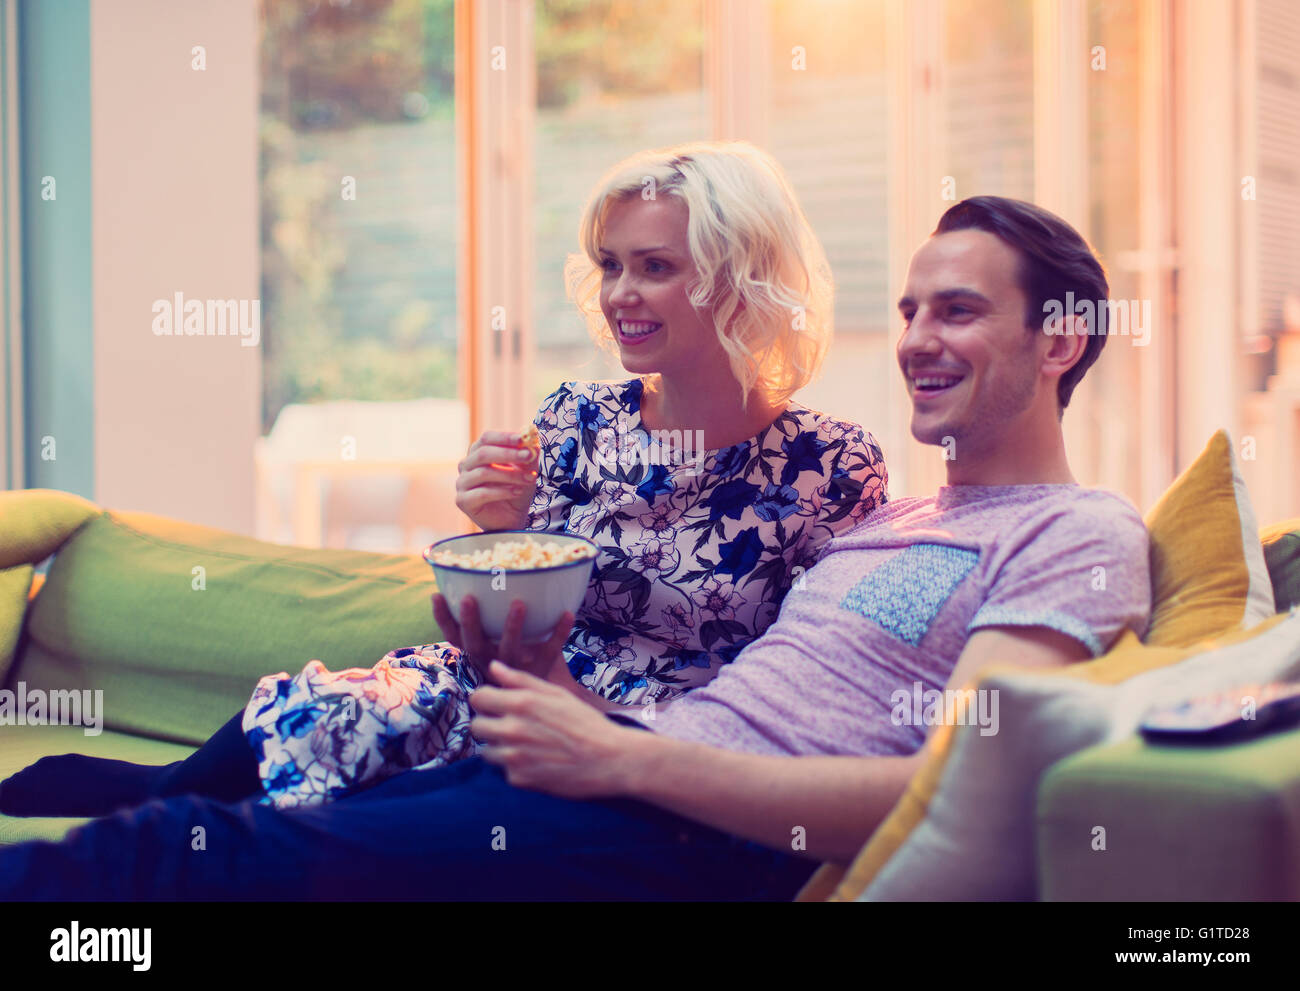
(175,622)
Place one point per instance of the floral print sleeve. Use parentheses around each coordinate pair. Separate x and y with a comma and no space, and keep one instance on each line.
(698,548)
(556,491)
(858,484)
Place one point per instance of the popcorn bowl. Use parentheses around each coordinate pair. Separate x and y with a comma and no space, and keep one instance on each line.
(548,590)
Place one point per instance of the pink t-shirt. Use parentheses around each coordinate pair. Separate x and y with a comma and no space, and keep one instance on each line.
(890,605)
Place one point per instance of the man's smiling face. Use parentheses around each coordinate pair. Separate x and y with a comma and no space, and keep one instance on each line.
(970,363)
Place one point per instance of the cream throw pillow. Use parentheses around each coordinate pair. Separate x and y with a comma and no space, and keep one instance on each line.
(976,841)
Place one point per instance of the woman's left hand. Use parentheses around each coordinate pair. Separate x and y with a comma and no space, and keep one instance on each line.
(546,739)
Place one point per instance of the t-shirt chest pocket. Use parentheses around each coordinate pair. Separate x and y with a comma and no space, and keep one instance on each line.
(904,595)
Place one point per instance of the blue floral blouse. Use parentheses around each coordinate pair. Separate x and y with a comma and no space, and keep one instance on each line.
(697,548)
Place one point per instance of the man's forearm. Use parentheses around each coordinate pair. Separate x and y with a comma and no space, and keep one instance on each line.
(832,803)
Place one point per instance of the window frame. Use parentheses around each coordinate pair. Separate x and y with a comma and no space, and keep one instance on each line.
(495,115)
(12,448)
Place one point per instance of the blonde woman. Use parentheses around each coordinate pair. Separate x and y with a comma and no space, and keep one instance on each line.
(706,487)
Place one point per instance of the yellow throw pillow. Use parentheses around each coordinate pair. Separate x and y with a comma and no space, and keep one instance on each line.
(34,523)
(1208,577)
(1208,573)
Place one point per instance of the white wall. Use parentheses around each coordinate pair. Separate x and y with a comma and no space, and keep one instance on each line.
(175,209)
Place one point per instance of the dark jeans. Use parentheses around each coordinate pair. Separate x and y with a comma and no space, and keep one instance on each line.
(458,832)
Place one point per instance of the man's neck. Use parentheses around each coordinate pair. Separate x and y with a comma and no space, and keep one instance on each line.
(1031,458)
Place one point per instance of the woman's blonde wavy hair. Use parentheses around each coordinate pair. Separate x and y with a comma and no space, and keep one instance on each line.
(760,266)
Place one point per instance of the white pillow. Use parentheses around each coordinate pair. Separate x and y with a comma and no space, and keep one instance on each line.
(976,841)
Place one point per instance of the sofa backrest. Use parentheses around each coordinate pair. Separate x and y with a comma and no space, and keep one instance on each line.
(1282,553)
(176,622)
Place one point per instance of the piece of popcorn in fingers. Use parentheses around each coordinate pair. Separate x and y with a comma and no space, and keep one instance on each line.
(532,439)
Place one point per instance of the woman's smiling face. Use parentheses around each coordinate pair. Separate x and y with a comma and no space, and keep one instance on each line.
(647,272)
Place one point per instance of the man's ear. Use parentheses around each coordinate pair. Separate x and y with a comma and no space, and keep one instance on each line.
(1068,339)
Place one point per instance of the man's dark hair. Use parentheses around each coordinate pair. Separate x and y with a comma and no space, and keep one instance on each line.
(1054,260)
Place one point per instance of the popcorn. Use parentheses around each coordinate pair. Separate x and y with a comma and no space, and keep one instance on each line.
(516,555)
(532,439)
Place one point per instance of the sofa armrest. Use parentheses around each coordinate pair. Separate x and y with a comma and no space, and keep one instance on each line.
(1204,822)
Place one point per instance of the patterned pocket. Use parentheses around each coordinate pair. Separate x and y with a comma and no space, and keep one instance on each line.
(905,594)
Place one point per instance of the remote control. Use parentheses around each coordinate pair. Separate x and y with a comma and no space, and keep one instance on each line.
(1226,715)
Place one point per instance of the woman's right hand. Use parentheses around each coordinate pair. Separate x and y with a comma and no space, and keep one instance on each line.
(496,481)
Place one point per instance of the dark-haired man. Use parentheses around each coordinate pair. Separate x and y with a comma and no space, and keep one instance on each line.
(797,750)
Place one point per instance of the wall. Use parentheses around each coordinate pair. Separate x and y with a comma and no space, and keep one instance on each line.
(175,209)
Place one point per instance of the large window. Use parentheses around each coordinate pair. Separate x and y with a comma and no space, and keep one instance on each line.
(1271,259)
(360,391)
(828,124)
(358,205)
(882,112)
(1114,438)
(613,78)
(988,74)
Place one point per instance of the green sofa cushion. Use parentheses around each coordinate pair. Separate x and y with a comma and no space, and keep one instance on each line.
(176,622)
(1183,823)
(24,746)
(1282,554)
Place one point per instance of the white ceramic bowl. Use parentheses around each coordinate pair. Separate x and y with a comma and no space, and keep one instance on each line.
(547,592)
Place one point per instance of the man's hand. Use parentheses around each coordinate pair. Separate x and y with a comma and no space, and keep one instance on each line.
(538,659)
(546,739)
(834,802)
